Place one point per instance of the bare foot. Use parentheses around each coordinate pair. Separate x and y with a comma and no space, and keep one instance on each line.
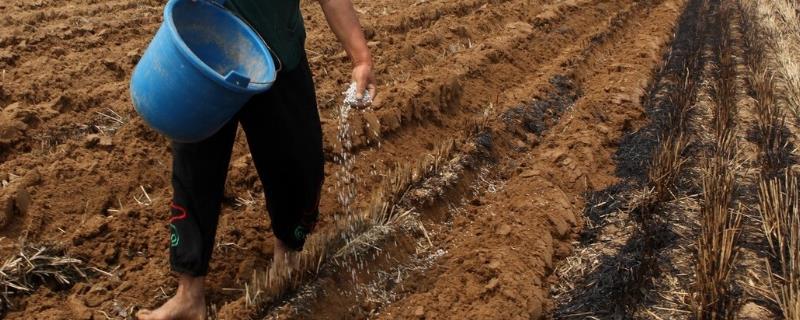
(188,303)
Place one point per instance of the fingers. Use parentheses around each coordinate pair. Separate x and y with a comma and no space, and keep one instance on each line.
(372,90)
(365,83)
(143,314)
(360,88)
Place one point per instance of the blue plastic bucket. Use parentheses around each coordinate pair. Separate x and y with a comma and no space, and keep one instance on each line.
(202,66)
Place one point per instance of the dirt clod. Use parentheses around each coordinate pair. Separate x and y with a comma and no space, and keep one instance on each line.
(15,201)
(753,311)
(558,222)
(78,308)
(419,312)
(91,140)
(134,56)
(504,230)
(106,142)
(93,227)
(492,284)
(97,295)
(8,58)
(530,173)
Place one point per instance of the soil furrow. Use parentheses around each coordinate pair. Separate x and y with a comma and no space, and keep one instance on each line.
(501,129)
(567,55)
(455,208)
(116,231)
(605,276)
(615,248)
(546,195)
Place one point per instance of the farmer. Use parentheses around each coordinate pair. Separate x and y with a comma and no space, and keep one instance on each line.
(285,138)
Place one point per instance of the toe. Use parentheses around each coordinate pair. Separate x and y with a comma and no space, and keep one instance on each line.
(144,314)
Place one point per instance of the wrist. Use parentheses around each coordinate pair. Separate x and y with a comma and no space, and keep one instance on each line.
(362,59)
(362,63)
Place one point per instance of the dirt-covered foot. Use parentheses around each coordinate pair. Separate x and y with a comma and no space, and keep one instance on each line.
(284,260)
(187,304)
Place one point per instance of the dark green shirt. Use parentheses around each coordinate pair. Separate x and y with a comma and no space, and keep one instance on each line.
(279,22)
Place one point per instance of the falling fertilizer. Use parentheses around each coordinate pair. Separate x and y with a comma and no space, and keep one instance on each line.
(345,178)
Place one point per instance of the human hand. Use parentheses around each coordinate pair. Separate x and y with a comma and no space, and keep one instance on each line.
(364,79)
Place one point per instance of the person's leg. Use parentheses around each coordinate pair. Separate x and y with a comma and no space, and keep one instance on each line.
(198,181)
(285,138)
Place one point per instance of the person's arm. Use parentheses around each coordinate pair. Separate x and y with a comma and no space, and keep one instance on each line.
(343,21)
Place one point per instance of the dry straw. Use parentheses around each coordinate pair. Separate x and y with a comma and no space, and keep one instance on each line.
(337,243)
(32,266)
(269,286)
(778,25)
(668,159)
(720,225)
(774,42)
(769,116)
(770,123)
(717,243)
(785,36)
(779,204)
(667,165)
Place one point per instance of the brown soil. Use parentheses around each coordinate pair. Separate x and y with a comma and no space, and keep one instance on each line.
(554,85)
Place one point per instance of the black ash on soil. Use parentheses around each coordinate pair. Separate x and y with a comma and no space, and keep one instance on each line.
(539,115)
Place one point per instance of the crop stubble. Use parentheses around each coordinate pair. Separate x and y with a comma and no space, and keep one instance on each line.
(444,66)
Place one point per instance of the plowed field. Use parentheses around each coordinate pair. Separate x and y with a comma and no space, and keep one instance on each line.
(498,123)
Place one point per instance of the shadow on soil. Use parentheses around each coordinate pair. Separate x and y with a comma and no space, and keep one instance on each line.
(614,288)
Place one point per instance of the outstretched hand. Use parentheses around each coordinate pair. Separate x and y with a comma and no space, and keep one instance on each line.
(364,78)
(343,19)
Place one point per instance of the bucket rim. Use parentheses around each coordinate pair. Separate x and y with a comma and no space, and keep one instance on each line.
(205,69)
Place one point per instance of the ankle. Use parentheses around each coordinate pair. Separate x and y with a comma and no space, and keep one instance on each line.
(191,287)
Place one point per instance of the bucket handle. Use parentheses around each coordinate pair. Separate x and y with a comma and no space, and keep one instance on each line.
(237,79)
(234,76)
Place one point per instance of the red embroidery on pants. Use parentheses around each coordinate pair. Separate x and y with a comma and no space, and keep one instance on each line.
(183,214)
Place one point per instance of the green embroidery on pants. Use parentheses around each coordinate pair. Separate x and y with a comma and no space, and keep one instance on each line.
(300,233)
(174,239)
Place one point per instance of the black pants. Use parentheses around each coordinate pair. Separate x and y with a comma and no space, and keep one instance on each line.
(285,138)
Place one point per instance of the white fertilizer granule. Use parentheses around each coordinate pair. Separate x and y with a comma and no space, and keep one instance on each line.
(346,179)
(351,100)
